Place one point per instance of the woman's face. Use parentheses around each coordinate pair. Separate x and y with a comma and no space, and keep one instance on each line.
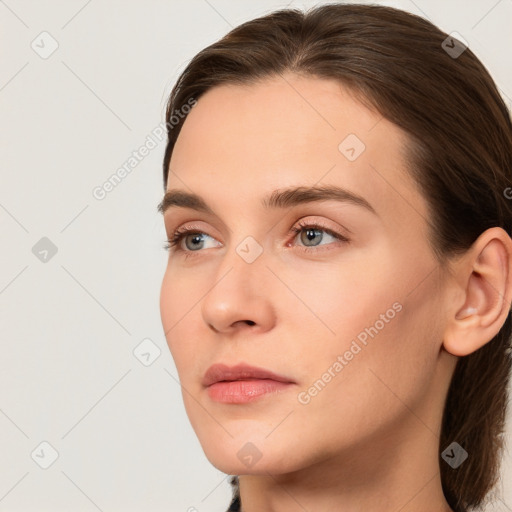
(354,323)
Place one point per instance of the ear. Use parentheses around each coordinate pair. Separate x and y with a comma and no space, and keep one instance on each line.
(482,294)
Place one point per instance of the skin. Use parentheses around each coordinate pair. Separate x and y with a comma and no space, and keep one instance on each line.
(369,440)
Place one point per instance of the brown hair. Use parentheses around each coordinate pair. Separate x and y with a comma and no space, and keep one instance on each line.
(460,155)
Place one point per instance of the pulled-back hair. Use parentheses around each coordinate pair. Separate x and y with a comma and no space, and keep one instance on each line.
(459,154)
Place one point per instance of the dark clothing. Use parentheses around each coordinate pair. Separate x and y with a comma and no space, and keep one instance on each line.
(235,505)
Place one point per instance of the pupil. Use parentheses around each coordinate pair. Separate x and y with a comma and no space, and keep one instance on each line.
(311,233)
(196,239)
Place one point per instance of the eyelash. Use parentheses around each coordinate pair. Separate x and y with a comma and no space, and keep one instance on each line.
(179,234)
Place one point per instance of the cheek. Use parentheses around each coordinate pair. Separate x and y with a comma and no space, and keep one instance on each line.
(168,304)
(180,293)
(383,343)
(340,298)
(373,389)
(177,300)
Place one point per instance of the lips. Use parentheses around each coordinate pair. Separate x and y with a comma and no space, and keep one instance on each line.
(221,372)
(243,384)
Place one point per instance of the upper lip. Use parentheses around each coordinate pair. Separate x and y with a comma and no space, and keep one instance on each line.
(220,372)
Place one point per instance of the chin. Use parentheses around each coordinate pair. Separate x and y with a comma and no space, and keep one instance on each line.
(240,457)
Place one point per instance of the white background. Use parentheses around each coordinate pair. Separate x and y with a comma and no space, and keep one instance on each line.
(68,326)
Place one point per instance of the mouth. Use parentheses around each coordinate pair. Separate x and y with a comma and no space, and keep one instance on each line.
(242,383)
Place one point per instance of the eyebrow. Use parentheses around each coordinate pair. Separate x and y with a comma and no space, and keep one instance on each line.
(282,198)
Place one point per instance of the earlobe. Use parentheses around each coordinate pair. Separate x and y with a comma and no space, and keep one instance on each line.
(485,276)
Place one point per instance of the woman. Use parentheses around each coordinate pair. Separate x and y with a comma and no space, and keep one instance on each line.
(338,287)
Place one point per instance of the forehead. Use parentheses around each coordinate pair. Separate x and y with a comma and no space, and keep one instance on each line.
(240,142)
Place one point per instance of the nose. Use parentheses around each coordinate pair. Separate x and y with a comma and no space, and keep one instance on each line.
(240,296)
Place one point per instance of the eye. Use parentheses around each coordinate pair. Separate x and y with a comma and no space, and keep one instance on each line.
(312,237)
(313,234)
(197,240)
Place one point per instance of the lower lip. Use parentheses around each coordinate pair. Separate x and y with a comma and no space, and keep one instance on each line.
(243,391)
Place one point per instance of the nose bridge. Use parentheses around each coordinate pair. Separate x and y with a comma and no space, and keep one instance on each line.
(239,291)
(245,263)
